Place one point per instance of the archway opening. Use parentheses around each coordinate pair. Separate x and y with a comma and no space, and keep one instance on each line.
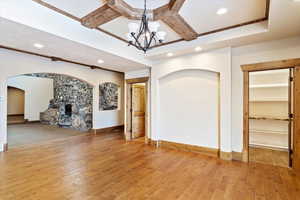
(15,105)
(55,106)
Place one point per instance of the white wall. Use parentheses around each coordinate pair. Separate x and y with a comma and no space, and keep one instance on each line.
(13,64)
(228,62)
(38,93)
(137,74)
(261,52)
(215,61)
(189,108)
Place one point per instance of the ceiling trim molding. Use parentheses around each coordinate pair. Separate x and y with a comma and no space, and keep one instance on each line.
(62,12)
(265,18)
(47,5)
(57,59)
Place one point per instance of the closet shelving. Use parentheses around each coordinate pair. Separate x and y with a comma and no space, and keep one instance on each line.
(269,99)
(278,85)
(269,109)
(269,118)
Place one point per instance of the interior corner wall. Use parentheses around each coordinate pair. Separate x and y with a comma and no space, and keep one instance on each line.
(137,74)
(13,64)
(255,53)
(38,93)
(214,61)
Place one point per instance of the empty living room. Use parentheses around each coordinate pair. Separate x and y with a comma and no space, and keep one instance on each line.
(149,100)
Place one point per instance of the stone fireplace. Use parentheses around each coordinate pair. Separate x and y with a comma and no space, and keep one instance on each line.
(68,110)
(72,105)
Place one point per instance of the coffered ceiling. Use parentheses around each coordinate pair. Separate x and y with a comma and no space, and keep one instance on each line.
(180,19)
(58,25)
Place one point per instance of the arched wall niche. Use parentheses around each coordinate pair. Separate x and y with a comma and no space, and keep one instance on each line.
(217,61)
(189,107)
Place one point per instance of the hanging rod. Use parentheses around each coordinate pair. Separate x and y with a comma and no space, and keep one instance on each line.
(55,59)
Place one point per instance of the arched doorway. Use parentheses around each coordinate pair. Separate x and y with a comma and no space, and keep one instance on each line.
(15,105)
(56,106)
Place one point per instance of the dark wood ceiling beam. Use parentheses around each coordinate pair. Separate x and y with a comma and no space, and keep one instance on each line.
(180,26)
(175,5)
(161,12)
(167,13)
(127,11)
(175,22)
(100,16)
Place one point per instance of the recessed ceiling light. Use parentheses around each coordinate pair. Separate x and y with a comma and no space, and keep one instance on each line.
(38,45)
(100,61)
(170,54)
(198,49)
(222,11)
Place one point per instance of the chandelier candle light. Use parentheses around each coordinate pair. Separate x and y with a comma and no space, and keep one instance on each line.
(145,35)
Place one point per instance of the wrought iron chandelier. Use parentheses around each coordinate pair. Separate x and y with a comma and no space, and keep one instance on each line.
(145,35)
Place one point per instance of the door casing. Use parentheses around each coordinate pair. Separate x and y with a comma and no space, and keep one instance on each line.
(282,64)
(128,107)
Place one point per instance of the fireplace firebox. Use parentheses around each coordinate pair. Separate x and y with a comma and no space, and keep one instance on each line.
(68,110)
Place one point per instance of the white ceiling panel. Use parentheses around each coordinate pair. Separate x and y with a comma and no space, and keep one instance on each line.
(119,27)
(60,47)
(201,15)
(151,4)
(78,8)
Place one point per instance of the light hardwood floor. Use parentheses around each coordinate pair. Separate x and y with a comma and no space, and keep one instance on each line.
(104,166)
(15,119)
(33,133)
(269,156)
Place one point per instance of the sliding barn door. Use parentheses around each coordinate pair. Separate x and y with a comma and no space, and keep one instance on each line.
(138,111)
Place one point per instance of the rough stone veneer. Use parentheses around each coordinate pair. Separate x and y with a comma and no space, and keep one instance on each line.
(68,90)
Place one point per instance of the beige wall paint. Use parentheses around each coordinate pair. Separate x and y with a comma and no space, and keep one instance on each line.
(15,101)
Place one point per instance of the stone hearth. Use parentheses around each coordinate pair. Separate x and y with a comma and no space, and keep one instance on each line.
(72,105)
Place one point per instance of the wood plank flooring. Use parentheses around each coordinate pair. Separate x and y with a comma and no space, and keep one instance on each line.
(15,119)
(269,156)
(33,133)
(106,167)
